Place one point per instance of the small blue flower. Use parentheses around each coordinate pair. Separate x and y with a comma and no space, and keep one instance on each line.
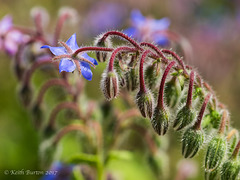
(59,171)
(69,63)
(148,29)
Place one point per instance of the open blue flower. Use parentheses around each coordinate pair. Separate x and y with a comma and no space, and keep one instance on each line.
(69,63)
(148,29)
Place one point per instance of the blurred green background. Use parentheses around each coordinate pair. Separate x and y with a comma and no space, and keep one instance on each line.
(212,28)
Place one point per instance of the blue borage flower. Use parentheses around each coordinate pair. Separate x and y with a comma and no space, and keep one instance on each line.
(147,28)
(59,171)
(69,62)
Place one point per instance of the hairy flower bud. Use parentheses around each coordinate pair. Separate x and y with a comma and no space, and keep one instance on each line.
(131,79)
(144,101)
(37,116)
(185,116)
(172,91)
(192,141)
(109,84)
(100,42)
(230,170)
(160,121)
(25,94)
(215,154)
(151,75)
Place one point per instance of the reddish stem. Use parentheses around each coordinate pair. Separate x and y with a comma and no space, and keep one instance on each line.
(115,52)
(197,125)
(161,89)
(59,26)
(223,122)
(61,106)
(50,83)
(28,74)
(190,90)
(177,58)
(38,23)
(236,150)
(134,43)
(156,49)
(92,49)
(141,78)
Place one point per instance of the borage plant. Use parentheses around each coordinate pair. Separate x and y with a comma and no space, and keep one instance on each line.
(167,93)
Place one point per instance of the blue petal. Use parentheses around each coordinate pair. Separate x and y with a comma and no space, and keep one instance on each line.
(56,50)
(66,65)
(86,56)
(86,71)
(160,24)
(72,42)
(161,40)
(132,31)
(137,18)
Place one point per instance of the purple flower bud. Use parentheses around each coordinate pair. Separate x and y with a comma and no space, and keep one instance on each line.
(109,84)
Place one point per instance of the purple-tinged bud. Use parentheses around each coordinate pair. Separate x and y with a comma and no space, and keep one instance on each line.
(160,121)
(25,94)
(185,117)
(100,42)
(70,13)
(109,84)
(40,12)
(192,141)
(144,101)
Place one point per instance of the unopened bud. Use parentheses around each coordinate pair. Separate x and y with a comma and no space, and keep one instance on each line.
(185,117)
(100,42)
(109,84)
(192,141)
(160,121)
(144,101)
(172,91)
(215,153)
(230,170)
(42,12)
(132,79)
(151,76)
(71,14)
(25,94)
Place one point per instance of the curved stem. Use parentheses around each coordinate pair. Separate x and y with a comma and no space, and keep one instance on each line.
(156,49)
(197,125)
(141,78)
(59,107)
(116,33)
(92,49)
(115,52)
(176,57)
(69,128)
(50,83)
(161,88)
(190,90)
(29,73)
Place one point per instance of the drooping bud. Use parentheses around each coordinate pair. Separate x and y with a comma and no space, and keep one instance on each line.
(25,94)
(215,154)
(70,14)
(37,115)
(172,92)
(160,121)
(144,101)
(109,84)
(230,170)
(40,12)
(232,139)
(185,117)
(102,42)
(151,75)
(192,141)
